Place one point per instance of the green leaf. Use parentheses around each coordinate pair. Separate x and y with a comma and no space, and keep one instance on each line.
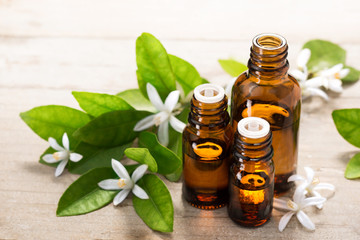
(353,168)
(154,66)
(166,160)
(111,129)
(54,121)
(324,54)
(95,157)
(135,98)
(232,67)
(157,212)
(347,123)
(84,195)
(142,155)
(353,75)
(96,104)
(186,74)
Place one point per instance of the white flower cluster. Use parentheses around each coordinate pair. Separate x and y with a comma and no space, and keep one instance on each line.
(305,195)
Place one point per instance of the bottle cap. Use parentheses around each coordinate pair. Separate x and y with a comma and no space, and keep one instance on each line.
(253,127)
(209,93)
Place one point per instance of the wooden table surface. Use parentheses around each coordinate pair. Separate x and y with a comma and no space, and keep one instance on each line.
(49,48)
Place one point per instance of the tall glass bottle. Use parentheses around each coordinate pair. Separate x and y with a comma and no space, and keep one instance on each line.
(266,90)
(251,185)
(206,148)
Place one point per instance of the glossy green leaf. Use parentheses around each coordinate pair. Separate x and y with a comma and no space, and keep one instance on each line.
(95,157)
(96,104)
(111,129)
(157,212)
(347,123)
(54,121)
(186,74)
(154,66)
(143,156)
(84,195)
(232,67)
(353,168)
(137,100)
(166,160)
(324,54)
(353,75)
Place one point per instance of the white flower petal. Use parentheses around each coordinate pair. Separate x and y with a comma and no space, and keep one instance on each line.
(109,184)
(295,177)
(311,201)
(344,72)
(53,143)
(303,57)
(326,186)
(121,196)
(65,141)
(316,92)
(145,123)
(299,75)
(49,158)
(154,97)
(316,194)
(299,194)
(284,220)
(305,220)
(335,69)
(309,174)
(62,155)
(139,192)
(176,124)
(316,82)
(281,204)
(75,157)
(335,85)
(139,172)
(163,133)
(172,100)
(119,169)
(60,168)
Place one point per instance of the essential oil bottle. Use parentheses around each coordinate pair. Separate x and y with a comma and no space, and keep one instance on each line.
(267,91)
(206,149)
(251,186)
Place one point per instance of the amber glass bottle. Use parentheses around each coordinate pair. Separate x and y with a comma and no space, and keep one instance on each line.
(266,90)
(251,186)
(206,149)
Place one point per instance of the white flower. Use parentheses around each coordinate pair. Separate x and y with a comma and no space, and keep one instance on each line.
(309,87)
(295,206)
(125,183)
(63,155)
(331,78)
(163,117)
(312,184)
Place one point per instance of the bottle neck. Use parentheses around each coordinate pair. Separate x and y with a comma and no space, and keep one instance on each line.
(268,56)
(209,116)
(253,149)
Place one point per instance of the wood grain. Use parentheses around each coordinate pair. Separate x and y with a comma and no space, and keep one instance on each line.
(49,48)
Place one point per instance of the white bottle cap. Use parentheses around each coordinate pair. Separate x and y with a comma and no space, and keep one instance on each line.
(253,127)
(209,93)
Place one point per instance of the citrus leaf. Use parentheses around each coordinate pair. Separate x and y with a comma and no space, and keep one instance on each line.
(166,160)
(353,168)
(135,98)
(352,76)
(142,155)
(232,67)
(157,212)
(347,123)
(324,54)
(111,129)
(54,121)
(154,66)
(96,104)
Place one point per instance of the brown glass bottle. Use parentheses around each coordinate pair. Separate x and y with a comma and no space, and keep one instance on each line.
(206,148)
(266,90)
(251,185)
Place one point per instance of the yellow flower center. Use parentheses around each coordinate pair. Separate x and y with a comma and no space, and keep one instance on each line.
(57,156)
(291,204)
(337,75)
(315,181)
(121,183)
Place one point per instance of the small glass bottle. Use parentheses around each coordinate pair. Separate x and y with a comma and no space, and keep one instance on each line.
(269,92)
(206,149)
(251,186)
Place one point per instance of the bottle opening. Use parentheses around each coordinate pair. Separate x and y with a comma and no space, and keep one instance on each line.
(209,93)
(253,127)
(269,41)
